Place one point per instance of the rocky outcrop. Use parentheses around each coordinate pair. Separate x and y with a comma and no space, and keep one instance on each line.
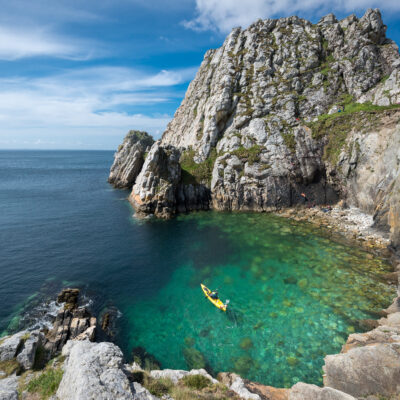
(159,189)
(93,371)
(71,322)
(304,391)
(282,108)
(369,363)
(129,159)
(9,388)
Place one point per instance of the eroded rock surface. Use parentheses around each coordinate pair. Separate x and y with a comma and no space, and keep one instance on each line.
(304,391)
(369,363)
(129,159)
(276,112)
(93,371)
(71,322)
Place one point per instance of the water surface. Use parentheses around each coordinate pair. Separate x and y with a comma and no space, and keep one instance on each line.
(295,294)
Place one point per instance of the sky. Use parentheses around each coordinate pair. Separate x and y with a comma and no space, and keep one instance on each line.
(79,74)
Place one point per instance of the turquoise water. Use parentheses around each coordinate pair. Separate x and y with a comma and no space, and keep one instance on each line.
(294,293)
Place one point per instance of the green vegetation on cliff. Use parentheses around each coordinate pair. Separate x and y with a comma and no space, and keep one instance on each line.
(197,173)
(336,127)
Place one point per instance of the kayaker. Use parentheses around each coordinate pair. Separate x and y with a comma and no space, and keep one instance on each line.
(214,295)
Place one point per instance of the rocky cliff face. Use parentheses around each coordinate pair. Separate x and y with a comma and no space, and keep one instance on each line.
(129,159)
(285,107)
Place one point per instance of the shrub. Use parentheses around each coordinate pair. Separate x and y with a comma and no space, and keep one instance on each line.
(197,173)
(251,154)
(10,366)
(158,387)
(197,382)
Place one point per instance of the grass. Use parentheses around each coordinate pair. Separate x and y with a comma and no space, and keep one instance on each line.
(197,173)
(290,141)
(10,367)
(251,155)
(335,127)
(197,382)
(46,384)
(188,388)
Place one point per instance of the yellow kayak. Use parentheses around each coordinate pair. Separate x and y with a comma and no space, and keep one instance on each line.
(217,302)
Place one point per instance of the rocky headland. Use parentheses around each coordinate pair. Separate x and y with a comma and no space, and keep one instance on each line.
(283,108)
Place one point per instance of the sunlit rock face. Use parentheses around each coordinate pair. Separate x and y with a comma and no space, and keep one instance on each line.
(282,108)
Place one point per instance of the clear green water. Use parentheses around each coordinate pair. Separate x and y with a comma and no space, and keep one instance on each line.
(295,296)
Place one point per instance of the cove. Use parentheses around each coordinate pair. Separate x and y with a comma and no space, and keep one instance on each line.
(295,293)
(295,297)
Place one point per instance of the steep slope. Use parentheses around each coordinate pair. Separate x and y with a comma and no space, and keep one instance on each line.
(285,107)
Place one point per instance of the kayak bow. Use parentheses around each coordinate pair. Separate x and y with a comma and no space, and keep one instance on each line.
(217,302)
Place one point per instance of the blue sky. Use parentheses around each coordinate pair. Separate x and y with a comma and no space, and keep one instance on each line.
(80,74)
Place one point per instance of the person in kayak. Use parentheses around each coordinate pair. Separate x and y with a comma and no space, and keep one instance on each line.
(214,295)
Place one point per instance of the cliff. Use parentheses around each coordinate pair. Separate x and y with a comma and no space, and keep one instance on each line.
(282,108)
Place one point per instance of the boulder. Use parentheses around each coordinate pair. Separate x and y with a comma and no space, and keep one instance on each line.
(10,346)
(9,388)
(304,391)
(94,371)
(69,297)
(26,357)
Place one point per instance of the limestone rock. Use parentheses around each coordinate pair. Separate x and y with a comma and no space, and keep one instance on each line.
(249,115)
(26,358)
(94,371)
(11,345)
(304,391)
(9,388)
(238,385)
(159,191)
(70,297)
(370,362)
(71,322)
(129,159)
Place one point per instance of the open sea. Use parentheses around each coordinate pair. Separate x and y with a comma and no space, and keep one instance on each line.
(295,294)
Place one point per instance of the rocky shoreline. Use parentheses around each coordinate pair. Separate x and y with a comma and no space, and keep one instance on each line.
(368,366)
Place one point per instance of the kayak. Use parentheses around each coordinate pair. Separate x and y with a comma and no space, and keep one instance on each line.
(217,302)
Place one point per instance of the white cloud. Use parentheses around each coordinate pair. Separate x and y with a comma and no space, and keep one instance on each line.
(90,102)
(20,43)
(223,15)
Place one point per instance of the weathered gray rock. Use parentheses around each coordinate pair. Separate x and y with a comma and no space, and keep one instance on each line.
(129,159)
(10,346)
(93,371)
(72,322)
(248,114)
(304,391)
(26,358)
(369,363)
(9,388)
(238,385)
